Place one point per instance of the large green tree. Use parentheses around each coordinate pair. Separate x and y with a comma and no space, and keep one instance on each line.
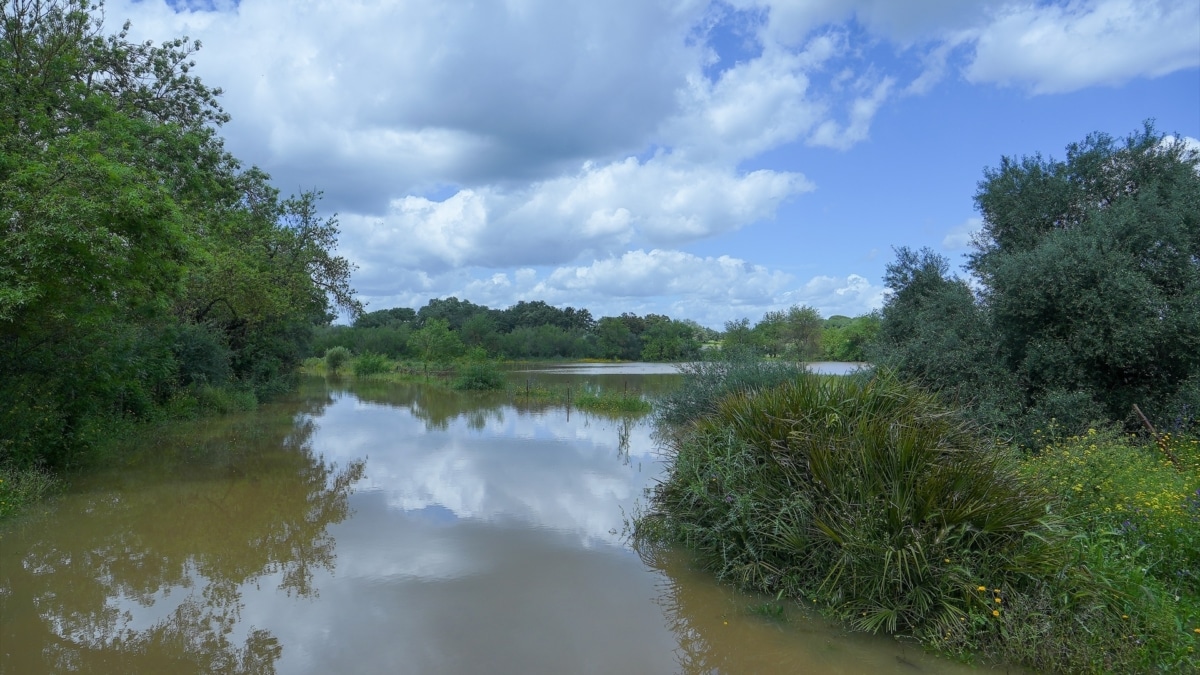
(1088,293)
(136,255)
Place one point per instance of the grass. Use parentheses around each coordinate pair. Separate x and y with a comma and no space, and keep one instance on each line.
(21,488)
(867,496)
(602,401)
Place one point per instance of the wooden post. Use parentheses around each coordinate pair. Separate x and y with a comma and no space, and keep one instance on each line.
(1158,440)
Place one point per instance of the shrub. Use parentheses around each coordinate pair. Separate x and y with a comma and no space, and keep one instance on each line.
(335,358)
(21,487)
(868,495)
(868,484)
(1137,493)
(482,376)
(371,364)
(706,383)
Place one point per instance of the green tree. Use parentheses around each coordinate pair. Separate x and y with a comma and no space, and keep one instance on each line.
(668,340)
(1091,268)
(136,256)
(1088,272)
(615,340)
(434,341)
(739,337)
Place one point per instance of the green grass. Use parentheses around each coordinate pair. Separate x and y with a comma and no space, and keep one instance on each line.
(21,488)
(867,496)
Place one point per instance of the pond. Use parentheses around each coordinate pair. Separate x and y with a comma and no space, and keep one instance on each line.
(400,528)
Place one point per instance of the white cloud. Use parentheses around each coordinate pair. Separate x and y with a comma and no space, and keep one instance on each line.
(1060,48)
(599,211)
(514,148)
(959,238)
(711,290)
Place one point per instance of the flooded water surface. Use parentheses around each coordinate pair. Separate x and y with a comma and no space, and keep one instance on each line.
(389,528)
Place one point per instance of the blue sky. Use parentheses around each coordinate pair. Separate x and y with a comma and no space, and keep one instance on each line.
(706,160)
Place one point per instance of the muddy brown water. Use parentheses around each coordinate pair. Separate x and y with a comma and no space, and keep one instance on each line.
(389,528)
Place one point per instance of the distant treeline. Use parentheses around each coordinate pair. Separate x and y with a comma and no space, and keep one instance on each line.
(447,328)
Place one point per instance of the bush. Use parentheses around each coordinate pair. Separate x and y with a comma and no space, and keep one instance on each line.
(866,484)
(21,487)
(483,376)
(706,383)
(335,358)
(867,495)
(1137,493)
(371,364)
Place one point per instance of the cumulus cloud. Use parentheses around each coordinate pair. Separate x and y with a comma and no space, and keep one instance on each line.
(709,289)
(600,210)
(1060,48)
(515,148)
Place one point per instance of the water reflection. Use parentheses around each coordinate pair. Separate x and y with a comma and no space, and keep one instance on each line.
(484,459)
(148,572)
(461,534)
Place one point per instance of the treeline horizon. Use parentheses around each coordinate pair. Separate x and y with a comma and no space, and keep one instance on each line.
(448,328)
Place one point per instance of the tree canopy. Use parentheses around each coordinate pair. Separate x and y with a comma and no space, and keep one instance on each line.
(137,256)
(1088,289)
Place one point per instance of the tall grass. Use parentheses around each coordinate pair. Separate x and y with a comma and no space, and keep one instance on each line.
(707,382)
(23,487)
(869,496)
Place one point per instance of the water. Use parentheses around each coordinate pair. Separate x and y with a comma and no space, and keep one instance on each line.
(387,528)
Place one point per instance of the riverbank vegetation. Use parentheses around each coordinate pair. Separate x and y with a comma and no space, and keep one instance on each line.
(477,373)
(145,273)
(447,328)
(1018,480)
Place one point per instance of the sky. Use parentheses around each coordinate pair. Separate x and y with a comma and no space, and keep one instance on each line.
(704,160)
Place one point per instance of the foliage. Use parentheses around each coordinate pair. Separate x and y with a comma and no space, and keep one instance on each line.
(371,364)
(849,340)
(434,341)
(707,382)
(1089,290)
(335,358)
(22,487)
(869,496)
(139,262)
(395,316)
(1137,493)
(795,333)
(479,376)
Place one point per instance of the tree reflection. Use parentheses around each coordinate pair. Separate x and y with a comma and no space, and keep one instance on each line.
(146,573)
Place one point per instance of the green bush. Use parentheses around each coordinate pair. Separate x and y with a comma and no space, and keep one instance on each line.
(868,485)
(481,376)
(707,382)
(869,496)
(335,358)
(371,364)
(1138,493)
